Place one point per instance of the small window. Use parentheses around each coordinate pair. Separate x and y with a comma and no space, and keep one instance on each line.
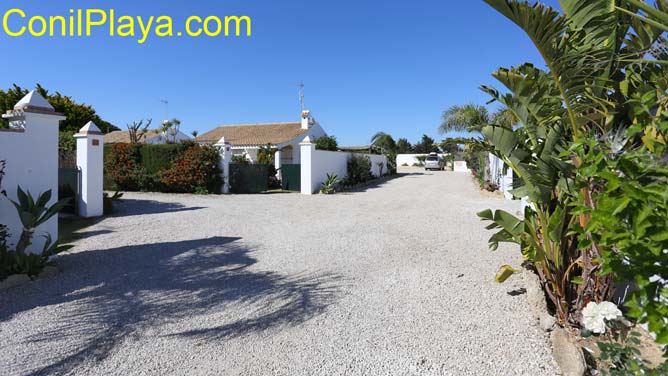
(432,158)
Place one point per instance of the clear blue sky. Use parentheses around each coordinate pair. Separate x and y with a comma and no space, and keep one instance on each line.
(367,65)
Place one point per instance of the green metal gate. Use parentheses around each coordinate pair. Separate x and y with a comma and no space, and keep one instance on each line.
(249,178)
(291,175)
(68,186)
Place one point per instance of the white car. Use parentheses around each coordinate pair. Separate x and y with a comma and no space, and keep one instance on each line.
(434,162)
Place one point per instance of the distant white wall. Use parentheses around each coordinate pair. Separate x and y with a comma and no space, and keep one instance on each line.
(460,166)
(32,163)
(316,164)
(411,159)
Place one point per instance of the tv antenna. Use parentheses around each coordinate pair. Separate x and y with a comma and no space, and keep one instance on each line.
(301,95)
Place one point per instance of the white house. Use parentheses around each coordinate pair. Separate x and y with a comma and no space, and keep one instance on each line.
(152,136)
(247,139)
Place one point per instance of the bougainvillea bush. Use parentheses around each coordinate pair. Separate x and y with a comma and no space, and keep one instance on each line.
(183,168)
(123,166)
(194,170)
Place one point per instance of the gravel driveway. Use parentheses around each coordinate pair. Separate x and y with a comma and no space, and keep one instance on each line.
(395,279)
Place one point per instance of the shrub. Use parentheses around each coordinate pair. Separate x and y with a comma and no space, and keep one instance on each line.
(123,166)
(32,213)
(155,158)
(66,141)
(475,160)
(391,162)
(421,160)
(179,168)
(597,188)
(628,223)
(109,201)
(240,159)
(329,186)
(327,143)
(265,156)
(359,169)
(194,169)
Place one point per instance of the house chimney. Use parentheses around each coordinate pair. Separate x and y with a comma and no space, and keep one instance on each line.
(306,119)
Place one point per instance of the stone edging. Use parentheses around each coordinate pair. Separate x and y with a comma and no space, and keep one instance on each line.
(22,279)
(566,352)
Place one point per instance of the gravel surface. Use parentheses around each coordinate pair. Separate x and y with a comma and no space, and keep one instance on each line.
(395,279)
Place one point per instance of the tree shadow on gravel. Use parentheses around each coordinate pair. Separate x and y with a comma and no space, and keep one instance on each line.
(129,207)
(105,297)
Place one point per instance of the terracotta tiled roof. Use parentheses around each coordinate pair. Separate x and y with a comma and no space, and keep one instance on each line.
(254,134)
(118,137)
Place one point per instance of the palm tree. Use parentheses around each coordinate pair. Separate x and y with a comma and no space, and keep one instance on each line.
(384,141)
(472,118)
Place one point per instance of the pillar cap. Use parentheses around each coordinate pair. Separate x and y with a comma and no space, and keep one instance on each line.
(34,102)
(306,141)
(89,129)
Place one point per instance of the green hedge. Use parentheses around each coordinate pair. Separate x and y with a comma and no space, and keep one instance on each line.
(158,157)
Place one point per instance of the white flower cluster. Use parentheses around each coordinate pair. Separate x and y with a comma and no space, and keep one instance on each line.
(594,316)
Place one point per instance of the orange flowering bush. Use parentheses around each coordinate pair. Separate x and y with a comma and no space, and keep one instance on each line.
(194,170)
(123,166)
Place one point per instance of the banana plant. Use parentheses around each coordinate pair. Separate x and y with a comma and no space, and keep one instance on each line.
(34,213)
(656,17)
(587,50)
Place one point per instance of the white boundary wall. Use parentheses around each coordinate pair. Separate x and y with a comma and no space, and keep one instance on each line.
(411,159)
(316,164)
(30,150)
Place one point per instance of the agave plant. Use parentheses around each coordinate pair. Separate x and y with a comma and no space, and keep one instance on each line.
(329,186)
(34,213)
(596,69)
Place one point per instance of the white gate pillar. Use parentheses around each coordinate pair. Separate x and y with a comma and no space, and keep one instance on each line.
(307,149)
(278,164)
(225,159)
(90,153)
(30,148)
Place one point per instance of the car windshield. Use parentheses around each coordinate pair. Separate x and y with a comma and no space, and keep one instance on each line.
(432,158)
